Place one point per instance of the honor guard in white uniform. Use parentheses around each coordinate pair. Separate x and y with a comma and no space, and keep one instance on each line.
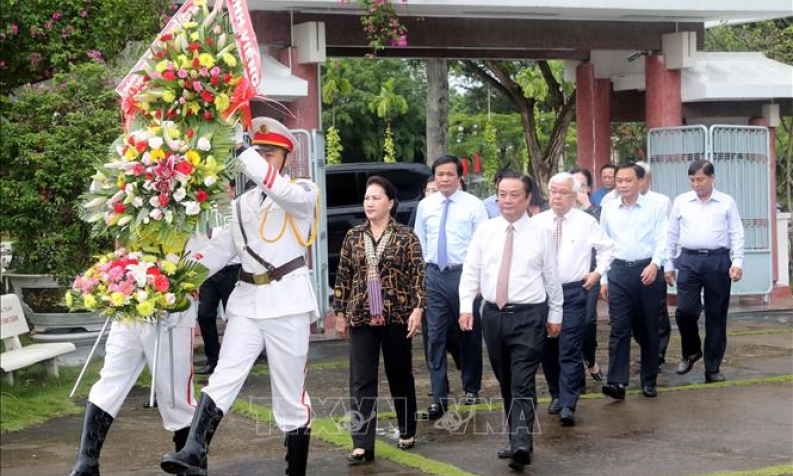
(272,306)
(129,347)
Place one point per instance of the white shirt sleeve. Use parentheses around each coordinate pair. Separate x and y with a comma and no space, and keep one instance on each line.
(673,234)
(550,275)
(472,271)
(660,229)
(604,248)
(298,199)
(418,227)
(736,235)
(219,251)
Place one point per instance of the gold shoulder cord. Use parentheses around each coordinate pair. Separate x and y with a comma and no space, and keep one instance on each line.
(264,221)
(288,217)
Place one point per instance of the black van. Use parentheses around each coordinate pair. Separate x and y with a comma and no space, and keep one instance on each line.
(345,186)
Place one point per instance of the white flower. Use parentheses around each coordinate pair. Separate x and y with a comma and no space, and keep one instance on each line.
(124,220)
(156,214)
(141,295)
(170,298)
(168,216)
(138,271)
(96,202)
(146,158)
(192,207)
(210,180)
(179,194)
(117,197)
(137,202)
(155,143)
(154,201)
(172,257)
(203,144)
(129,189)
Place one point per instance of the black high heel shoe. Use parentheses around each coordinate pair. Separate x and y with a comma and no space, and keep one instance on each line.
(360,458)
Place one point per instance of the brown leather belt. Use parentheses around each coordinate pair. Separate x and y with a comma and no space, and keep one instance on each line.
(274,275)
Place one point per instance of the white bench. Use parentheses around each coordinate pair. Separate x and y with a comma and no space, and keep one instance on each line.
(15,357)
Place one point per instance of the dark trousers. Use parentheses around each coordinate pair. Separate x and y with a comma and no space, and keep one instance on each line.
(514,344)
(710,273)
(664,326)
(590,338)
(633,306)
(365,345)
(443,310)
(214,290)
(561,357)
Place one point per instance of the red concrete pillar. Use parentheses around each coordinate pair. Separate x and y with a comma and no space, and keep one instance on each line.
(662,96)
(307,110)
(760,121)
(593,121)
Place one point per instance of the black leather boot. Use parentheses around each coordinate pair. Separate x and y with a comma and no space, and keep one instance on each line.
(296,443)
(96,423)
(191,460)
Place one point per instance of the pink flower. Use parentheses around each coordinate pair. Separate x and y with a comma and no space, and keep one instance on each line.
(84,14)
(182,73)
(198,86)
(35,59)
(214,71)
(203,71)
(161,283)
(56,16)
(95,55)
(14,28)
(2,63)
(48,25)
(116,274)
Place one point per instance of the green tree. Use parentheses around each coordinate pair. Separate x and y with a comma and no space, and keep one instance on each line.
(334,86)
(388,105)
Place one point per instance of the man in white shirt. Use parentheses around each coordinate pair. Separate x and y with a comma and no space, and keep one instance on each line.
(706,241)
(633,291)
(445,223)
(576,234)
(513,262)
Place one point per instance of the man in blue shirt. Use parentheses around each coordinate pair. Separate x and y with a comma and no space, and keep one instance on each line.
(634,284)
(445,224)
(491,202)
(607,174)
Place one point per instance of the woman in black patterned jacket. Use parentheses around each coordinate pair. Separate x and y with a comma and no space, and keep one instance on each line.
(378,300)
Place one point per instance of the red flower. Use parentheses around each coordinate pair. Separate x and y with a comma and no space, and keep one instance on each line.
(141,146)
(208,115)
(131,140)
(207,96)
(210,41)
(149,177)
(187,84)
(164,199)
(189,133)
(158,114)
(166,37)
(169,76)
(138,170)
(184,168)
(194,46)
(119,208)
(214,80)
(160,54)
(201,196)
(161,283)
(226,78)
(153,271)
(196,63)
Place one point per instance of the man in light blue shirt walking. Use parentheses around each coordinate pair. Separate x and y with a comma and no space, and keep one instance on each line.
(445,224)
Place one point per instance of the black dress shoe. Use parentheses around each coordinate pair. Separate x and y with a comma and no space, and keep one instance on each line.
(713,378)
(615,391)
(686,363)
(649,391)
(661,359)
(435,411)
(554,407)
(567,417)
(360,458)
(205,370)
(520,459)
(471,398)
(506,453)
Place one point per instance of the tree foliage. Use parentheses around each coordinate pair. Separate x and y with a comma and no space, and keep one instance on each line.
(50,137)
(362,132)
(39,38)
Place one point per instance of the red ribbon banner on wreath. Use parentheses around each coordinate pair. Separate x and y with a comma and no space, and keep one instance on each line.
(247,46)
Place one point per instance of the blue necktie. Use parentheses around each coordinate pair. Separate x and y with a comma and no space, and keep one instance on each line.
(442,257)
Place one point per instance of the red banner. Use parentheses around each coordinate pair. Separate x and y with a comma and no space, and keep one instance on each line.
(247,45)
(129,85)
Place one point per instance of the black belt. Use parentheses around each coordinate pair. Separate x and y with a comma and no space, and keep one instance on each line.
(231,267)
(510,308)
(450,267)
(621,263)
(274,275)
(716,252)
(574,284)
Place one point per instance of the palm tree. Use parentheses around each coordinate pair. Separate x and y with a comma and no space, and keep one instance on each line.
(388,105)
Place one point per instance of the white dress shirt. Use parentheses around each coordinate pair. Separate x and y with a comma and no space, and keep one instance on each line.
(580,234)
(709,225)
(465,213)
(639,231)
(532,273)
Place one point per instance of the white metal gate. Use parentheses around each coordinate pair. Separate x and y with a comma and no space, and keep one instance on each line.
(741,157)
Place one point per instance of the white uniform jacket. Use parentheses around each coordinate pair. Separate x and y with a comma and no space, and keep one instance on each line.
(277,230)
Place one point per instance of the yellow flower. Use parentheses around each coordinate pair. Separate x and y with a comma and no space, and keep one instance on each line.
(121,182)
(168,96)
(229,59)
(69,299)
(194,36)
(222,102)
(193,157)
(200,3)
(187,287)
(144,106)
(189,24)
(89,301)
(174,132)
(157,154)
(117,299)
(130,153)
(183,61)
(149,259)
(168,267)
(90,273)
(146,308)
(206,59)
(161,66)
(194,107)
